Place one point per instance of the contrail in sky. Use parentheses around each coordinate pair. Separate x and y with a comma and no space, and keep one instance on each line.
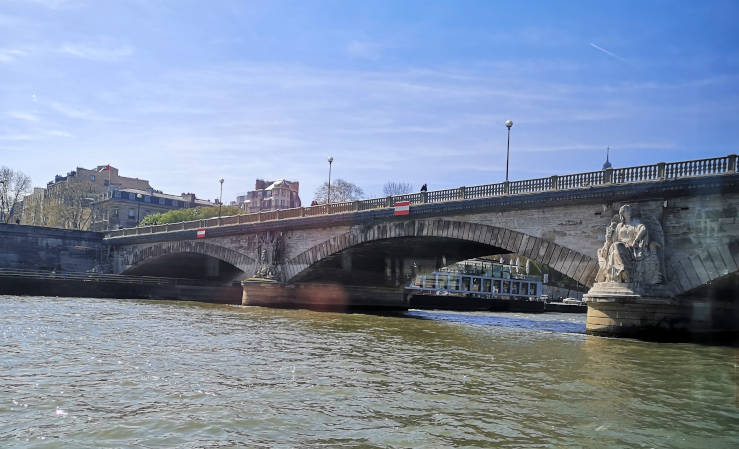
(607,52)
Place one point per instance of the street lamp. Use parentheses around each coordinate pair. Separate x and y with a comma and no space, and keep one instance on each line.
(2,200)
(220,199)
(138,212)
(508,125)
(330,161)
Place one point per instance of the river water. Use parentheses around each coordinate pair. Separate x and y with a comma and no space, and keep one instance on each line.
(81,372)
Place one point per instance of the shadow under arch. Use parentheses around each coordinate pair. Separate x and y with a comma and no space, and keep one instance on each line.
(172,249)
(567,261)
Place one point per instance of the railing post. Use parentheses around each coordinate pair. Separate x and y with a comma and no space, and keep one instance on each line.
(732,163)
(356,205)
(506,186)
(302,212)
(278,214)
(553,182)
(166,227)
(607,176)
(259,218)
(424,197)
(389,201)
(238,218)
(661,170)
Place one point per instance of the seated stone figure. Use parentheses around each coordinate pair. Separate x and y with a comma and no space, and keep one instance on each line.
(628,254)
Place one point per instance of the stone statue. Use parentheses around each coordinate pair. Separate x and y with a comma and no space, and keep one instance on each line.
(633,250)
(269,254)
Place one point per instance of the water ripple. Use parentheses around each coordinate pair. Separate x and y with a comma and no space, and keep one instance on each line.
(81,372)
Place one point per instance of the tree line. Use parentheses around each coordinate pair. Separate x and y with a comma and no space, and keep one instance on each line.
(343,191)
(71,205)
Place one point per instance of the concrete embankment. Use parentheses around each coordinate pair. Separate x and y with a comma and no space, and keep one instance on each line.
(26,283)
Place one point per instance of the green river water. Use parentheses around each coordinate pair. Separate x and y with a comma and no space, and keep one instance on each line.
(81,372)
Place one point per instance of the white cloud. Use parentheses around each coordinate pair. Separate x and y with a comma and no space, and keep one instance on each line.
(57,133)
(10,55)
(99,53)
(57,4)
(17,137)
(23,116)
(77,112)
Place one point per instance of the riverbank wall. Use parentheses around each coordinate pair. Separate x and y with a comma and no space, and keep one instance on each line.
(51,249)
(29,283)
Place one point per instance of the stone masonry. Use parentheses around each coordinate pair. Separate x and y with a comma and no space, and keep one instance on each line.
(562,229)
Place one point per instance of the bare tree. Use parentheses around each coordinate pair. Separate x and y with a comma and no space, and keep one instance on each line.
(33,208)
(340,191)
(14,185)
(71,205)
(396,188)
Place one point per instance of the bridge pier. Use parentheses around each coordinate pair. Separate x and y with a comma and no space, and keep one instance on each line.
(660,318)
(321,296)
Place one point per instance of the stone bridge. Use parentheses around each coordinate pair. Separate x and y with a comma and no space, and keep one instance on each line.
(361,254)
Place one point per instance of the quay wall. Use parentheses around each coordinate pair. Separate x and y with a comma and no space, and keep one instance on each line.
(26,286)
(50,249)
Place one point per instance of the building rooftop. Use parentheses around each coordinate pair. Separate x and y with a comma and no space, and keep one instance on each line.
(159,194)
(281,183)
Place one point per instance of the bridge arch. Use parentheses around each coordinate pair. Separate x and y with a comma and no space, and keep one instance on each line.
(714,261)
(144,254)
(569,262)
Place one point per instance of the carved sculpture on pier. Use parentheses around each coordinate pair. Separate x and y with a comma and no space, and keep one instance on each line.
(269,253)
(633,252)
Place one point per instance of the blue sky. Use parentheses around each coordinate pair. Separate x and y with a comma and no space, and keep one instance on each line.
(185,92)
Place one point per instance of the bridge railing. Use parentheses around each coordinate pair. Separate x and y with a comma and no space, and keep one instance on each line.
(529,185)
(579,180)
(439,196)
(483,191)
(374,203)
(626,175)
(700,167)
(635,174)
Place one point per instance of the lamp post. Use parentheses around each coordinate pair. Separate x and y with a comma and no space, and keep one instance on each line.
(220,200)
(508,125)
(330,161)
(138,212)
(2,200)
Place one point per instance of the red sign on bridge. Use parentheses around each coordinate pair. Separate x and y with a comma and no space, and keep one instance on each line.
(402,208)
(201,233)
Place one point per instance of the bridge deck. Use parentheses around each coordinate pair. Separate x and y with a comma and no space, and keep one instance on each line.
(645,174)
